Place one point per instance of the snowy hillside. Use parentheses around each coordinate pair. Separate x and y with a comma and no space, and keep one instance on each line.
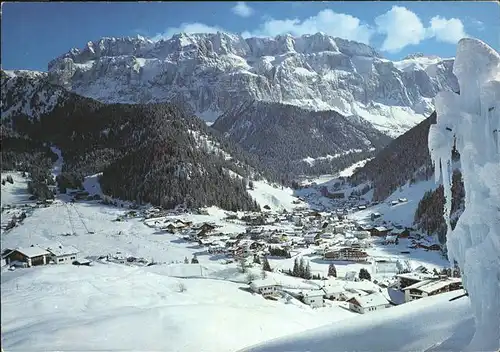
(433,324)
(125,308)
(216,72)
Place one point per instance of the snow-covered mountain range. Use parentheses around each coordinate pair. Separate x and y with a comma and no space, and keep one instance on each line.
(216,72)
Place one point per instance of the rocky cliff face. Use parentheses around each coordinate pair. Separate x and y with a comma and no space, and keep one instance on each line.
(214,73)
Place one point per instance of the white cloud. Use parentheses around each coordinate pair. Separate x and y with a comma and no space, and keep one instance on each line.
(187,28)
(326,21)
(448,31)
(401,28)
(242,9)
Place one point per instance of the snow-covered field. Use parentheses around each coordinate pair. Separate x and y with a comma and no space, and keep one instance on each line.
(115,307)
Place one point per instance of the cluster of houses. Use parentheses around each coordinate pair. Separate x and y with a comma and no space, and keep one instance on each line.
(362,296)
(27,257)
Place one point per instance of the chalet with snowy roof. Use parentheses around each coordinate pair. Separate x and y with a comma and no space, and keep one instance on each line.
(332,292)
(27,256)
(380,231)
(412,278)
(313,298)
(265,287)
(63,254)
(206,227)
(431,287)
(182,223)
(375,215)
(368,303)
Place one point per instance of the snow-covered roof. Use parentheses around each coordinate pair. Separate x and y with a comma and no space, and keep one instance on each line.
(372,300)
(331,289)
(429,286)
(313,293)
(381,228)
(31,252)
(263,283)
(391,237)
(415,276)
(59,251)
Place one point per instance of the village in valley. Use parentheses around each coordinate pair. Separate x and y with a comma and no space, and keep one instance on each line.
(306,253)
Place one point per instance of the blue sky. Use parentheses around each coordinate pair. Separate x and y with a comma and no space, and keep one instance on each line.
(35,33)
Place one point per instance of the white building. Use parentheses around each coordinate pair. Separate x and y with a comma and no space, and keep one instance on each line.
(333,292)
(311,237)
(63,254)
(361,234)
(265,287)
(314,299)
(368,303)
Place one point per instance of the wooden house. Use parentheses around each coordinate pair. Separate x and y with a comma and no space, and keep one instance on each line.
(31,256)
(380,231)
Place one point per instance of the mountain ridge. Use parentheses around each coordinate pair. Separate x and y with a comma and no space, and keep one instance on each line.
(214,72)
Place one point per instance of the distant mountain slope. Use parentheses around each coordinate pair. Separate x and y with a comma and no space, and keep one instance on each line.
(148,153)
(28,93)
(405,159)
(214,72)
(299,141)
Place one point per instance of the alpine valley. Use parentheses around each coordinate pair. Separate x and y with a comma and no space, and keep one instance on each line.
(303,187)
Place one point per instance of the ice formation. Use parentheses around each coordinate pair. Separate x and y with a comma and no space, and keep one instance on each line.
(473,118)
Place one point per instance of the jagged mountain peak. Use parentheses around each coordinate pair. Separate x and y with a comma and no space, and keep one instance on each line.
(213,72)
